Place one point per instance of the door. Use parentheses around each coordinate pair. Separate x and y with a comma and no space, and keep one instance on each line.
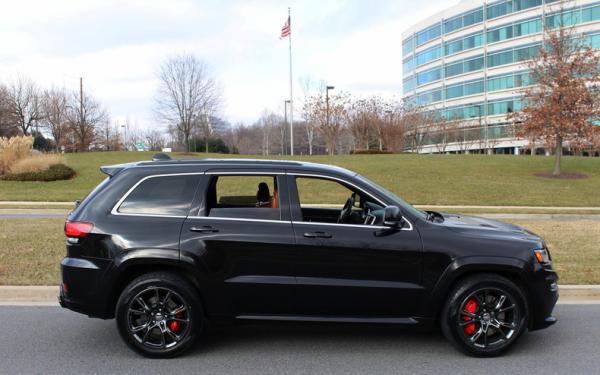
(241,240)
(351,265)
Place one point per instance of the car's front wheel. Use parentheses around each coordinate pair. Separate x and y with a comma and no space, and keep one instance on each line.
(158,315)
(484,315)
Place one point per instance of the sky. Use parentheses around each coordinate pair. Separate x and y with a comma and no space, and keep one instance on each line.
(118,47)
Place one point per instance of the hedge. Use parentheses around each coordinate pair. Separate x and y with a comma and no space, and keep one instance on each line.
(54,173)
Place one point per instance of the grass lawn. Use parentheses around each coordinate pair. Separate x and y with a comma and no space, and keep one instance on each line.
(419,179)
(31,250)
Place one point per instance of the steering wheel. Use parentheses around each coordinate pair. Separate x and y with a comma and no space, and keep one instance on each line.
(347,210)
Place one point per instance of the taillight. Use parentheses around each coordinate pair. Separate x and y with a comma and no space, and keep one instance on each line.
(78,229)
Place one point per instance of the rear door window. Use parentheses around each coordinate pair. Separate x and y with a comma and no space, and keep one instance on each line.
(244,197)
(161,195)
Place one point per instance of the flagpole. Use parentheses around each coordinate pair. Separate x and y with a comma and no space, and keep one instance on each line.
(291,88)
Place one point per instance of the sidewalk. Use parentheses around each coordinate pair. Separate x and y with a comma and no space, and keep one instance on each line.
(46,295)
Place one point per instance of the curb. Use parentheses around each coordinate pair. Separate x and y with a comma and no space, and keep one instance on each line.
(45,295)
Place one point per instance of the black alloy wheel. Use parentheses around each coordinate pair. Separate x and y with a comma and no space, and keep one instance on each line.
(158,315)
(484,315)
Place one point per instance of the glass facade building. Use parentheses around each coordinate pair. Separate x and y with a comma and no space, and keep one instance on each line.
(469,63)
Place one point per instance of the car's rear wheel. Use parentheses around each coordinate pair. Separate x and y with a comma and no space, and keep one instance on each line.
(484,315)
(159,315)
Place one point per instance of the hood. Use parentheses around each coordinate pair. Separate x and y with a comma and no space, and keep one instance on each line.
(482,227)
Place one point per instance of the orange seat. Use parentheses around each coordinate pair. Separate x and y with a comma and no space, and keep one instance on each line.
(275,200)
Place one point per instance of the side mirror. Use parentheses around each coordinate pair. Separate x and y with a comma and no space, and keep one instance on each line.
(392,217)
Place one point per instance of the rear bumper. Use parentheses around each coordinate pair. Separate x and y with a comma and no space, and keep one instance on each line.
(81,290)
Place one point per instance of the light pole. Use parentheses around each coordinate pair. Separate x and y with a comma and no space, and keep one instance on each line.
(285,105)
(125,136)
(327,101)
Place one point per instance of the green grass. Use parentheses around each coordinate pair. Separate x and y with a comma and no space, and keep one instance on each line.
(31,250)
(419,179)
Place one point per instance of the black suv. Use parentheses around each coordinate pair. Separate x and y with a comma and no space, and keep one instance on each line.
(167,246)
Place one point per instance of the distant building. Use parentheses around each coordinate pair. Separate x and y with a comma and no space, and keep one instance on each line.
(468,64)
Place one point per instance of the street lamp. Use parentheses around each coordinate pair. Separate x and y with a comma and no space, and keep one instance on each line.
(327,101)
(285,104)
(125,137)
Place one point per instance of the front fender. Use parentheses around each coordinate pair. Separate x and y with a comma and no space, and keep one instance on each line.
(463,266)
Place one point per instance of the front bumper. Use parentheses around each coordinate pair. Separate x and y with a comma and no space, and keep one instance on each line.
(544,295)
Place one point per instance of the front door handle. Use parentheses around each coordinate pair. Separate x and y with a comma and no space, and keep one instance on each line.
(204,229)
(317,235)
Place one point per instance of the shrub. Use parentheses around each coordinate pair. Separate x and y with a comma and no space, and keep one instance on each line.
(369,152)
(54,173)
(13,149)
(35,163)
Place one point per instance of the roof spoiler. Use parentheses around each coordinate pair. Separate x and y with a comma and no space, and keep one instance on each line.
(111,170)
(160,157)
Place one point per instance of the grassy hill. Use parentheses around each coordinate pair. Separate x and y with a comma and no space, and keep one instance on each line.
(419,179)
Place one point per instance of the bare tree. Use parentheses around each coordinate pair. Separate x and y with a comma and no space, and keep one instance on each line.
(417,125)
(330,117)
(564,102)
(187,92)
(54,107)
(85,114)
(6,124)
(360,121)
(155,139)
(307,85)
(268,122)
(24,103)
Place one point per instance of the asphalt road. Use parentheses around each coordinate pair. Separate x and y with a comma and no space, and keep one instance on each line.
(51,340)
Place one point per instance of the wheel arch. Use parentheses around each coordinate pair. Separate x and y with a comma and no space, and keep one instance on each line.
(128,271)
(462,268)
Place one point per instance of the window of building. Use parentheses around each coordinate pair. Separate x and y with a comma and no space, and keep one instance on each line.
(428,76)
(408,65)
(462,44)
(430,96)
(429,34)
(429,55)
(408,45)
(409,84)
(243,197)
(161,195)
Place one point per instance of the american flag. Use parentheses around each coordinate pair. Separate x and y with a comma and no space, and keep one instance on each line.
(286,30)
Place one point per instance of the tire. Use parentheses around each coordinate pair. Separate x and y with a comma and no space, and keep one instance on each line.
(159,315)
(472,321)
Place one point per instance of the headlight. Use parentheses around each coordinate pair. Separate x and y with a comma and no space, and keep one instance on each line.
(542,256)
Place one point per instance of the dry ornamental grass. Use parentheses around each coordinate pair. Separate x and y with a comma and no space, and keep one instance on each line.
(12,150)
(36,163)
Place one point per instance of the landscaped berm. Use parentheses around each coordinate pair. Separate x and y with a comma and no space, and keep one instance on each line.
(19,162)
(420,179)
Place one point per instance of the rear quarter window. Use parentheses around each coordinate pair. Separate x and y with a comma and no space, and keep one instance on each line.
(161,195)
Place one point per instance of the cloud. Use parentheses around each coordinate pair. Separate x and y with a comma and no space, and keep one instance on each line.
(117,46)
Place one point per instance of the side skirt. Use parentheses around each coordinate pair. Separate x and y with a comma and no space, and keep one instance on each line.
(338,319)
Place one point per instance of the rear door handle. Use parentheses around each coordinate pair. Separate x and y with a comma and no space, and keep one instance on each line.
(204,229)
(317,235)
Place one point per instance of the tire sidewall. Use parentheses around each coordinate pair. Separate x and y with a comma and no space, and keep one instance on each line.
(180,287)
(451,317)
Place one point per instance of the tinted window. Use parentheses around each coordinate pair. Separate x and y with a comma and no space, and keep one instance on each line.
(244,197)
(166,195)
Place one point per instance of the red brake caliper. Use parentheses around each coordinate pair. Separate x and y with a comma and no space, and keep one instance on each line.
(174,325)
(470,307)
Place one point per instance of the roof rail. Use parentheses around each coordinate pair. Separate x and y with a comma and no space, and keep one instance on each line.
(160,157)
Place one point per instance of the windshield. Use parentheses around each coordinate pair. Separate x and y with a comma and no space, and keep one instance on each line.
(404,206)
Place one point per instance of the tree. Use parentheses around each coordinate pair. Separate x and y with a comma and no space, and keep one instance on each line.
(330,118)
(268,122)
(561,106)
(84,115)
(417,125)
(310,126)
(360,121)
(24,103)
(54,108)
(155,139)
(6,123)
(187,94)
